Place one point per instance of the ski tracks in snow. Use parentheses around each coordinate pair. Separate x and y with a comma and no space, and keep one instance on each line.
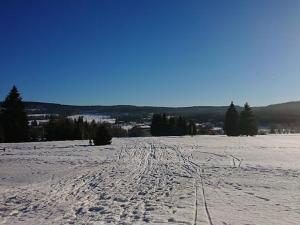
(146,182)
(136,181)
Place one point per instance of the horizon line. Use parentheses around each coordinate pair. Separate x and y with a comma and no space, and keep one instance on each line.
(154,106)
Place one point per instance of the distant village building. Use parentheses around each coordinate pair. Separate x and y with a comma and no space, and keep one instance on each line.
(210,128)
(264,130)
(217,131)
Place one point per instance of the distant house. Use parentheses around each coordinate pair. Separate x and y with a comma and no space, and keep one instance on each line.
(210,128)
(216,131)
(139,129)
(263,130)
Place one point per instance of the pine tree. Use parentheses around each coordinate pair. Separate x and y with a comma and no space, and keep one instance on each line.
(14,117)
(102,137)
(181,126)
(49,130)
(156,125)
(231,126)
(92,130)
(192,130)
(164,126)
(172,126)
(78,131)
(1,130)
(137,132)
(248,124)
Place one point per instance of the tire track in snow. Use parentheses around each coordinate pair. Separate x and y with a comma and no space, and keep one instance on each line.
(196,203)
(142,183)
(186,162)
(205,202)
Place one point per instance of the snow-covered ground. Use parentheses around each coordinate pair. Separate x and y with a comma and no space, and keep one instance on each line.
(182,180)
(98,118)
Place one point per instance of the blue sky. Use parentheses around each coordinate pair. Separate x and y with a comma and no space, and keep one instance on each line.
(164,53)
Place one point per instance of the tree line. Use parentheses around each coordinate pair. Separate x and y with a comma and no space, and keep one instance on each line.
(235,124)
(14,126)
(163,125)
(243,123)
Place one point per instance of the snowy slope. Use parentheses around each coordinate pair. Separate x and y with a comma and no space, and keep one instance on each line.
(182,180)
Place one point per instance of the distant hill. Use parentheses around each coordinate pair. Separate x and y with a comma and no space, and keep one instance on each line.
(285,113)
(288,113)
(41,107)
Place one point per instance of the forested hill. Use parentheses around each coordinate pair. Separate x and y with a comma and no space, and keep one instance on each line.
(277,113)
(41,107)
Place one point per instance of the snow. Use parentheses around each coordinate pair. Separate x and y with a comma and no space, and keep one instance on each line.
(132,125)
(127,127)
(39,122)
(97,118)
(167,180)
(42,115)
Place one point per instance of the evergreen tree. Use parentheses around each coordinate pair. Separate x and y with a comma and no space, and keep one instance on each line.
(78,132)
(231,126)
(14,118)
(1,129)
(1,135)
(181,126)
(248,124)
(172,126)
(137,132)
(117,131)
(102,137)
(35,133)
(192,130)
(164,126)
(92,130)
(156,125)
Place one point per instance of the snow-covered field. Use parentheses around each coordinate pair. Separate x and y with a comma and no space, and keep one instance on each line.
(182,180)
(98,118)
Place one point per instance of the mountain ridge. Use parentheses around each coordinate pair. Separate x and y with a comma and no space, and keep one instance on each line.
(280,113)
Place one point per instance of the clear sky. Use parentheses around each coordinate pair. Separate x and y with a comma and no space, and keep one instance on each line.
(151,52)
